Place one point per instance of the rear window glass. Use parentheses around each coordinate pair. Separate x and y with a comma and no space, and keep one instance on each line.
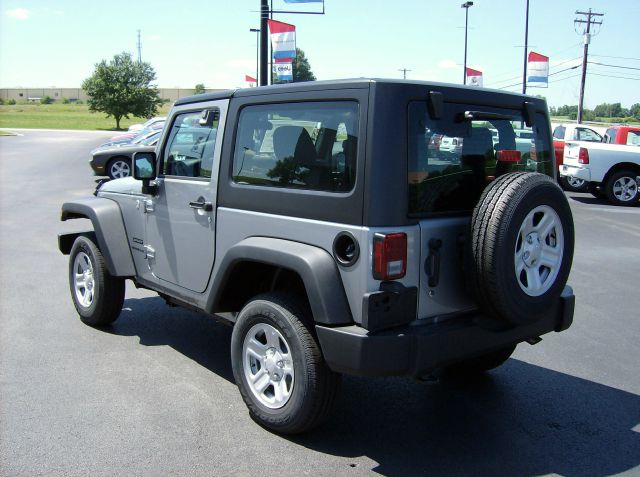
(307,145)
(452,159)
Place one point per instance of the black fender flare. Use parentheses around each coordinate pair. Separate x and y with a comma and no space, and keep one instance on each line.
(108,226)
(315,266)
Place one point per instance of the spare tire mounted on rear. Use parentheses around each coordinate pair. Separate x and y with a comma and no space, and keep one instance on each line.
(522,242)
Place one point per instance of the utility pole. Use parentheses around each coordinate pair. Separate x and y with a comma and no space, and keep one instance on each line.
(404,72)
(526,49)
(587,39)
(139,48)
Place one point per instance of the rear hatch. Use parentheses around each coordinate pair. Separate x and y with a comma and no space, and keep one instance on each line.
(445,189)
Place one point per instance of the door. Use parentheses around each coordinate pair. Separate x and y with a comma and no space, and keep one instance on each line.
(181,217)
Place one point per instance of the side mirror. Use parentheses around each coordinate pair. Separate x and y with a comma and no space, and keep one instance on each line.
(144,169)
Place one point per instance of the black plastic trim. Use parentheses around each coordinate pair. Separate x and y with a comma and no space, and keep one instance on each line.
(315,266)
(416,350)
(106,217)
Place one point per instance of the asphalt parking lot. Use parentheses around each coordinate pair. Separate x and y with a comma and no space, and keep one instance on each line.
(154,395)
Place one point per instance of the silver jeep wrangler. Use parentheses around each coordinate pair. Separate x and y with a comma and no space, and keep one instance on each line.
(323,222)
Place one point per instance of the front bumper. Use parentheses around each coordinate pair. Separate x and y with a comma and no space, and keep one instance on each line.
(583,173)
(98,166)
(416,350)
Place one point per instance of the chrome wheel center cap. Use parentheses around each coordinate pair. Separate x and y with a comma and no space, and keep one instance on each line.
(274,362)
(532,250)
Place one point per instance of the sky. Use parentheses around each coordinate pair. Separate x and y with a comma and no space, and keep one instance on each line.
(57,43)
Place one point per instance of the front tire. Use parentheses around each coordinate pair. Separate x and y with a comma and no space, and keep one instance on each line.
(278,365)
(622,188)
(97,296)
(119,168)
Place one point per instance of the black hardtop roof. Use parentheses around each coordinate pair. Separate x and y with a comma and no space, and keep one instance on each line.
(354,83)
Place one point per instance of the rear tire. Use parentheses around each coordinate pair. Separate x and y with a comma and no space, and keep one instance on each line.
(278,365)
(571,184)
(622,188)
(522,240)
(97,296)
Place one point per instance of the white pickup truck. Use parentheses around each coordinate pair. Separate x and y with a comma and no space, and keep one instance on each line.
(611,170)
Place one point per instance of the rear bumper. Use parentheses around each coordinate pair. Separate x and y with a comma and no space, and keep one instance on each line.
(583,173)
(416,350)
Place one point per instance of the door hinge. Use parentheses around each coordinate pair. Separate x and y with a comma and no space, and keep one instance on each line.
(148,206)
(149,252)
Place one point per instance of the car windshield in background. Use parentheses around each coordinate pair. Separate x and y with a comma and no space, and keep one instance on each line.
(147,139)
(452,159)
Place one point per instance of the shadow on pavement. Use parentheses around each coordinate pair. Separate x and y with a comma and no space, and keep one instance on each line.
(519,420)
(195,335)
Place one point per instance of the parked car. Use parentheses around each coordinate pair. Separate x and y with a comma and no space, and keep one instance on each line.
(572,132)
(609,170)
(115,161)
(147,124)
(450,147)
(353,252)
(128,136)
(627,135)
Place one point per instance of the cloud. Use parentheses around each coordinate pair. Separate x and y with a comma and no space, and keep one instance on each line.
(19,13)
(447,64)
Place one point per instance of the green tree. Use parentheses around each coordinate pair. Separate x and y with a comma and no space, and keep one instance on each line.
(122,87)
(301,69)
(199,89)
(634,110)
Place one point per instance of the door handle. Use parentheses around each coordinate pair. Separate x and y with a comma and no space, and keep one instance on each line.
(201,204)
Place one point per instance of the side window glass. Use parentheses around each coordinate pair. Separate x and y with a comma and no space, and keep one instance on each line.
(309,146)
(189,149)
(558,132)
(633,138)
(584,134)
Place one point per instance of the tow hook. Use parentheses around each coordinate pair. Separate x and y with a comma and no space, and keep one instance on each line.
(534,341)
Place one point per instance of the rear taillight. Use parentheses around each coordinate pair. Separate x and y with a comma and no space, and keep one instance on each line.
(583,156)
(389,256)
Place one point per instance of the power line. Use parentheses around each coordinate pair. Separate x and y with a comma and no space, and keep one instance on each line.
(619,77)
(495,84)
(618,57)
(614,66)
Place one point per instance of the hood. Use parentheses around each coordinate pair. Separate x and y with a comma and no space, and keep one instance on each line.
(126,185)
(124,149)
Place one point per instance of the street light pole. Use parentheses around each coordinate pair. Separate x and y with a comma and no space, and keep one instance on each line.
(526,48)
(466,6)
(256,31)
(264,38)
